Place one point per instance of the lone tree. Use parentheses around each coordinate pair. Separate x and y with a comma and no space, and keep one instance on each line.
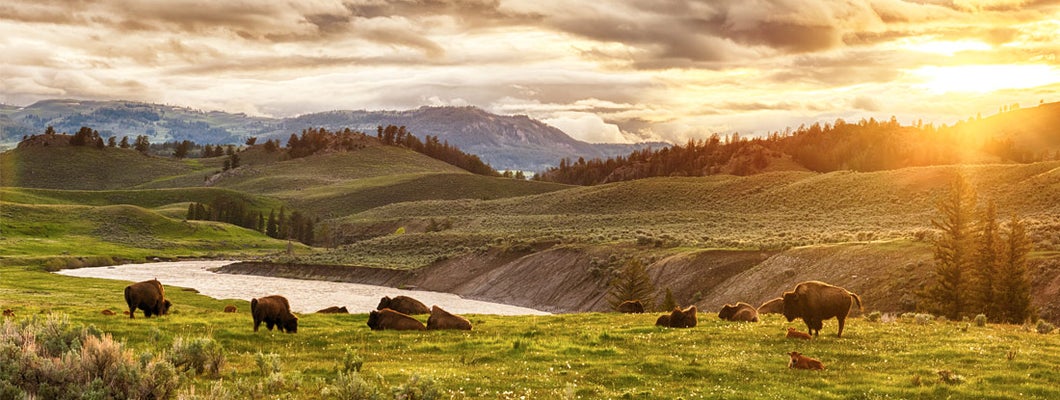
(632,283)
(947,295)
(1013,290)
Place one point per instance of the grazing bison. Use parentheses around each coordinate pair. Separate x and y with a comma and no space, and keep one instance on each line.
(404,305)
(815,302)
(739,312)
(664,320)
(334,310)
(631,307)
(274,311)
(683,318)
(9,313)
(148,296)
(441,319)
(230,308)
(794,334)
(799,361)
(390,319)
(775,306)
(107,312)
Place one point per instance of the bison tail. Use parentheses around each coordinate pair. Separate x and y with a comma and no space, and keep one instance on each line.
(253,304)
(857,299)
(128,294)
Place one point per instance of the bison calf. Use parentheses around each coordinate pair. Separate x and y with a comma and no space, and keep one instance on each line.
(148,296)
(815,302)
(441,319)
(739,312)
(389,319)
(404,305)
(794,334)
(107,312)
(274,311)
(799,361)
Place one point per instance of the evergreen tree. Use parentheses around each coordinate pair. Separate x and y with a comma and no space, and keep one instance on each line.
(1013,285)
(283,228)
(191,212)
(112,141)
(124,142)
(270,225)
(947,295)
(985,263)
(182,149)
(668,302)
(142,144)
(632,283)
(260,227)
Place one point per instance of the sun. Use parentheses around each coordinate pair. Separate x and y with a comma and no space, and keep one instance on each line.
(984,78)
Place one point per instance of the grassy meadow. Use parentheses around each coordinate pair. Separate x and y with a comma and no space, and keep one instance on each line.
(560,356)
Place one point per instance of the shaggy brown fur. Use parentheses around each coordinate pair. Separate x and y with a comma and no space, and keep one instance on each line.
(664,320)
(148,296)
(441,319)
(775,306)
(9,313)
(739,312)
(794,334)
(799,361)
(230,308)
(107,312)
(273,311)
(334,310)
(404,305)
(390,319)
(683,318)
(631,307)
(815,302)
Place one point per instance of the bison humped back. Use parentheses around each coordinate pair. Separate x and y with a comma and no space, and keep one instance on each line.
(148,296)
(441,319)
(404,305)
(273,311)
(739,312)
(815,302)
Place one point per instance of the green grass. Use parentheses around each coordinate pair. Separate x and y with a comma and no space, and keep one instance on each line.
(577,355)
(85,168)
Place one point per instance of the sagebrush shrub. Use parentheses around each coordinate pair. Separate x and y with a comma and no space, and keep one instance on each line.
(203,355)
(874,316)
(1045,327)
(980,320)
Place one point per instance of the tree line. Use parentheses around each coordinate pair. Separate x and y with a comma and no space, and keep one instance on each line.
(296,225)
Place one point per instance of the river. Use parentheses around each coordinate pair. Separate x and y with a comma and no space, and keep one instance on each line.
(306,296)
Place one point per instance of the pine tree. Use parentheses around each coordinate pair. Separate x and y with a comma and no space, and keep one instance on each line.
(270,225)
(124,142)
(191,212)
(632,283)
(1013,285)
(985,263)
(947,295)
(668,301)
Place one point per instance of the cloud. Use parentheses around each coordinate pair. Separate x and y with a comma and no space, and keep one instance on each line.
(588,127)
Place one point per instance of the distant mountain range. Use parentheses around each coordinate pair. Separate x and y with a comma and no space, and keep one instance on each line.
(505,142)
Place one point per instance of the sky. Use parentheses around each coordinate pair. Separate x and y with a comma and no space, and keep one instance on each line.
(603,70)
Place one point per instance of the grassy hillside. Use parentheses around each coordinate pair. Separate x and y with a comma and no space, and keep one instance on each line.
(561,356)
(86,168)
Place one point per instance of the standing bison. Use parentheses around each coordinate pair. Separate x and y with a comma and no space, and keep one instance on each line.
(404,305)
(815,302)
(147,296)
(739,312)
(274,311)
(441,319)
(390,319)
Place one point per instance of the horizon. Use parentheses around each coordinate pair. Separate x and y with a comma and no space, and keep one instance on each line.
(624,71)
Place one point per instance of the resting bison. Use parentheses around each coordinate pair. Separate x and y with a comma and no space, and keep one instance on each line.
(390,319)
(738,312)
(404,305)
(107,312)
(775,306)
(679,318)
(230,308)
(664,320)
(148,296)
(274,311)
(9,313)
(441,319)
(631,307)
(815,302)
(794,334)
(334,310)
(799,361)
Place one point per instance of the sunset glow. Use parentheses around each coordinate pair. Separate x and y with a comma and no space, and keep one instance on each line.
(986,78)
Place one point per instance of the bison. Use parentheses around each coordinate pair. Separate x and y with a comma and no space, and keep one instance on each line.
(441,319)
(775,306)
(334,310)
(274,311)
(230,308)
(148,296)
(107,312)
(683,318)
(799,361)
(739,312)
(794,334)
(631,307)
(389,319)
(9,313)
(664,321)
(815,302)
(404,305)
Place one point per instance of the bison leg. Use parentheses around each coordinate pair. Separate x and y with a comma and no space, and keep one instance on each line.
(132,310)
(269,324)
(842,320)
(257,323)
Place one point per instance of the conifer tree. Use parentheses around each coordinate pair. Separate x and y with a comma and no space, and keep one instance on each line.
(632,283)
(270,225)
(668,302)
(1013,285)
(947,295)
(985,263)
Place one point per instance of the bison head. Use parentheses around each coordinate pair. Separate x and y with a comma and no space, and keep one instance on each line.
(727,312)
(291,325)
(165,306)
(792,309)
(373,320)
(383,303)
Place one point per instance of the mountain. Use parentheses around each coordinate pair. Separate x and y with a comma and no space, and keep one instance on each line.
(505,142)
